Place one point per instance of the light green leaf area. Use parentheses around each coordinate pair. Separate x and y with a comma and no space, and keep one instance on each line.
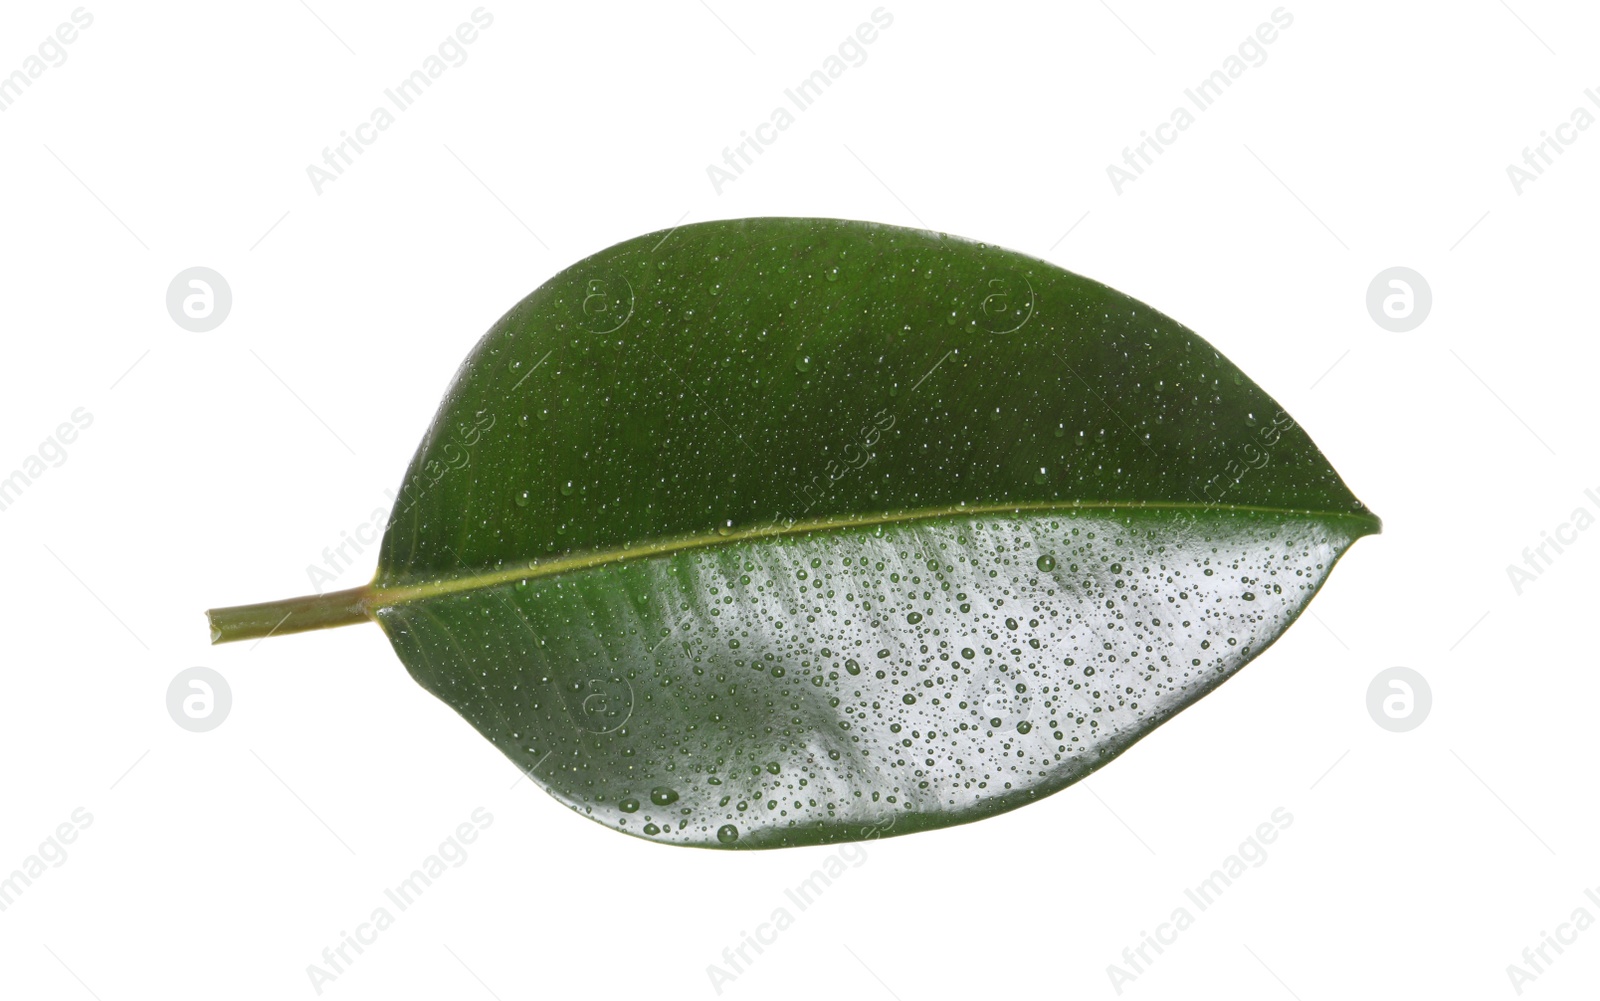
(838,683)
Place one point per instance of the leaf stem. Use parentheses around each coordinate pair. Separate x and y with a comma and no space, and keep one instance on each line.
(289,615)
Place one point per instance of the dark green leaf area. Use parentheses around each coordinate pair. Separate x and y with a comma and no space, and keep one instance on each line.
(762,371)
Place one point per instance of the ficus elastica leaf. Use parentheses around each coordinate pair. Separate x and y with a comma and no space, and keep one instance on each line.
(776,532)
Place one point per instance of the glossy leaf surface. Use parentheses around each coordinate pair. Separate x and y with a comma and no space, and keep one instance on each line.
(782,531)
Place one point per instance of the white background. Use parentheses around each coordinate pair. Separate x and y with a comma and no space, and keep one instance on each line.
(219,465)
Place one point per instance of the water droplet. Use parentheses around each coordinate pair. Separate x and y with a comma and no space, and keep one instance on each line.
(522,498)
(1042,476)
(629,805)
(567,488)
(662,796)
(1045,563)
(727,834)
(852,667)
(913,618)
(803,363)
(1024,726)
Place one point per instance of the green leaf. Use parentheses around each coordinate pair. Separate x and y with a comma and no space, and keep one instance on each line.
(786,531)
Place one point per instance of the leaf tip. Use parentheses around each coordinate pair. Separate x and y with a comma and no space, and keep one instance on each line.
(1374,524)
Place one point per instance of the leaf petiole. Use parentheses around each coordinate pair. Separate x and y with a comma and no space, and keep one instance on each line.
(290,615)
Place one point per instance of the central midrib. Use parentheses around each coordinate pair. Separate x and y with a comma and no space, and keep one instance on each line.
(402,594)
